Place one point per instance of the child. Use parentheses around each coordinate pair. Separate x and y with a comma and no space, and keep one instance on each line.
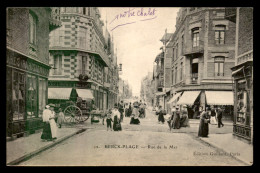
(60,119)
(109,119)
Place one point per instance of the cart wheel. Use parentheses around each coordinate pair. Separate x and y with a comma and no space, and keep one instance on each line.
(72,114)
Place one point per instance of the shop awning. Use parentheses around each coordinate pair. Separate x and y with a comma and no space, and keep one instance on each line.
(219,97)
(236,71)
(188,97)
(85,94)
(174,97)
(59,93)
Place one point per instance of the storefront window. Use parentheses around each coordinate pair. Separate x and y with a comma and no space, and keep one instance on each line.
(31,102)
(42,95)
(18,95)
(242,103)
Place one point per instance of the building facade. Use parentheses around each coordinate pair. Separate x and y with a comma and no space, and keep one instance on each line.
(27,66)
(83,47)
(146,92)
(202,51)
(243,71)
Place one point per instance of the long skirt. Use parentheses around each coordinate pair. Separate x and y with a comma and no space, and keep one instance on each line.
(203,129)
(134,121)
(53,128)
(176,122)
(161,118)
(185,122)
(117,127)
(46,132)
(213,120)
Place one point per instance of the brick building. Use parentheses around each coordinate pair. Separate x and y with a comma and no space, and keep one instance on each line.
(202,51)
(27,66)
(83,47)
(243,71)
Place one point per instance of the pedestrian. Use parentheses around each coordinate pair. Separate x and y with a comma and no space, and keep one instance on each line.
(135,114)
(109,120)
(60,118)
(184,122)
(121,110)
(52,122)
(213,120)
(219,117)
(170,120)
(130,110)
(161,116)
(204,124)
(176,118)
(46,132)
(116,115)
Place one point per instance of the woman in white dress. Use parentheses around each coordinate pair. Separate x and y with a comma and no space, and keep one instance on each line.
(213,120)
(52,122)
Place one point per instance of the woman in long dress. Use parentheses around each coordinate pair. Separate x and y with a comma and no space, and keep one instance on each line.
(135,115)
(116,114)
(184,117)
(53,123)
(204,124)
(161,117)
(176,119)
(46,132)
(213,119)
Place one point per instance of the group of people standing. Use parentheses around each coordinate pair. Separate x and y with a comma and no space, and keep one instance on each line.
(49,132)
(179,118)
(114,115)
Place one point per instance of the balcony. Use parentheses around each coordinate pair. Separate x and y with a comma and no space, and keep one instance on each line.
(219,74)
(55,21)
(230,13)
(194,78)
(58,43)
(198,49)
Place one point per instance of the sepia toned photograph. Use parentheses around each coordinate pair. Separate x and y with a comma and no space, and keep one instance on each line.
(129,86)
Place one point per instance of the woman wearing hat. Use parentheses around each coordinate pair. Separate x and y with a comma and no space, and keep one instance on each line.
(52,122)
(46,132)
(176,118)
(160,117)
(116,115)
(204,124)
(184,122)
(135,114)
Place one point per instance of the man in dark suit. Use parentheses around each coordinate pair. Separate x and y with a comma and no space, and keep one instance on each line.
(121,110)
(219,117)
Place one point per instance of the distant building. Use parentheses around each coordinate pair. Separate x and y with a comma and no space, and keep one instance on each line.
(82,56)
(27,66)
(243,71)
(146,92)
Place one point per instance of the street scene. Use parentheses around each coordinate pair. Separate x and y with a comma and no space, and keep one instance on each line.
(92,86)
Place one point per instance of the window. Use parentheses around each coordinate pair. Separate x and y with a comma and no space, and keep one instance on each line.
(176,75)
(219,66)
(89,11)
(32,28)
(84,10)
(42,95)
(172,76)
(177,47)
(195,37)
(31,101)
(18,94)
(57,65)
(84,65)
(181,72)
(220,34)
(173,54)
(182,44)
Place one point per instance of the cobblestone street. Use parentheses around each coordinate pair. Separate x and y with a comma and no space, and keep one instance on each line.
(139,144)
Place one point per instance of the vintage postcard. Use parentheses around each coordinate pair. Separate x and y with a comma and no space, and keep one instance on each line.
(129,86)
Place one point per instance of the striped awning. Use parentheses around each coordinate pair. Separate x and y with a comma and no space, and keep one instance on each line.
(59,93)
(177,95)
(219,97)
(85,94)
(188,97)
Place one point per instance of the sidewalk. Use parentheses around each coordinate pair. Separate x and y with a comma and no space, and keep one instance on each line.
(25,147)
(231,145)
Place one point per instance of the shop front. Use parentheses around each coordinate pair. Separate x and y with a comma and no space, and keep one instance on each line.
(26,93)
(243,100)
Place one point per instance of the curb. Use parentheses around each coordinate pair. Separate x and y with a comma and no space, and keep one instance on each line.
(221,149)
(34,153)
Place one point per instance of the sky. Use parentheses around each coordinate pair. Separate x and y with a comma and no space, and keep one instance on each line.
(137,35)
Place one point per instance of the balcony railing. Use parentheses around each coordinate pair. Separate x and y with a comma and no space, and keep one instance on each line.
(55,21)
(194,78)
(195,48)
(58,42)
(230,13)
(219,74)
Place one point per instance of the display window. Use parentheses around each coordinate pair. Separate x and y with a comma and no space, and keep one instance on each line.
(31,101)
(42,95)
